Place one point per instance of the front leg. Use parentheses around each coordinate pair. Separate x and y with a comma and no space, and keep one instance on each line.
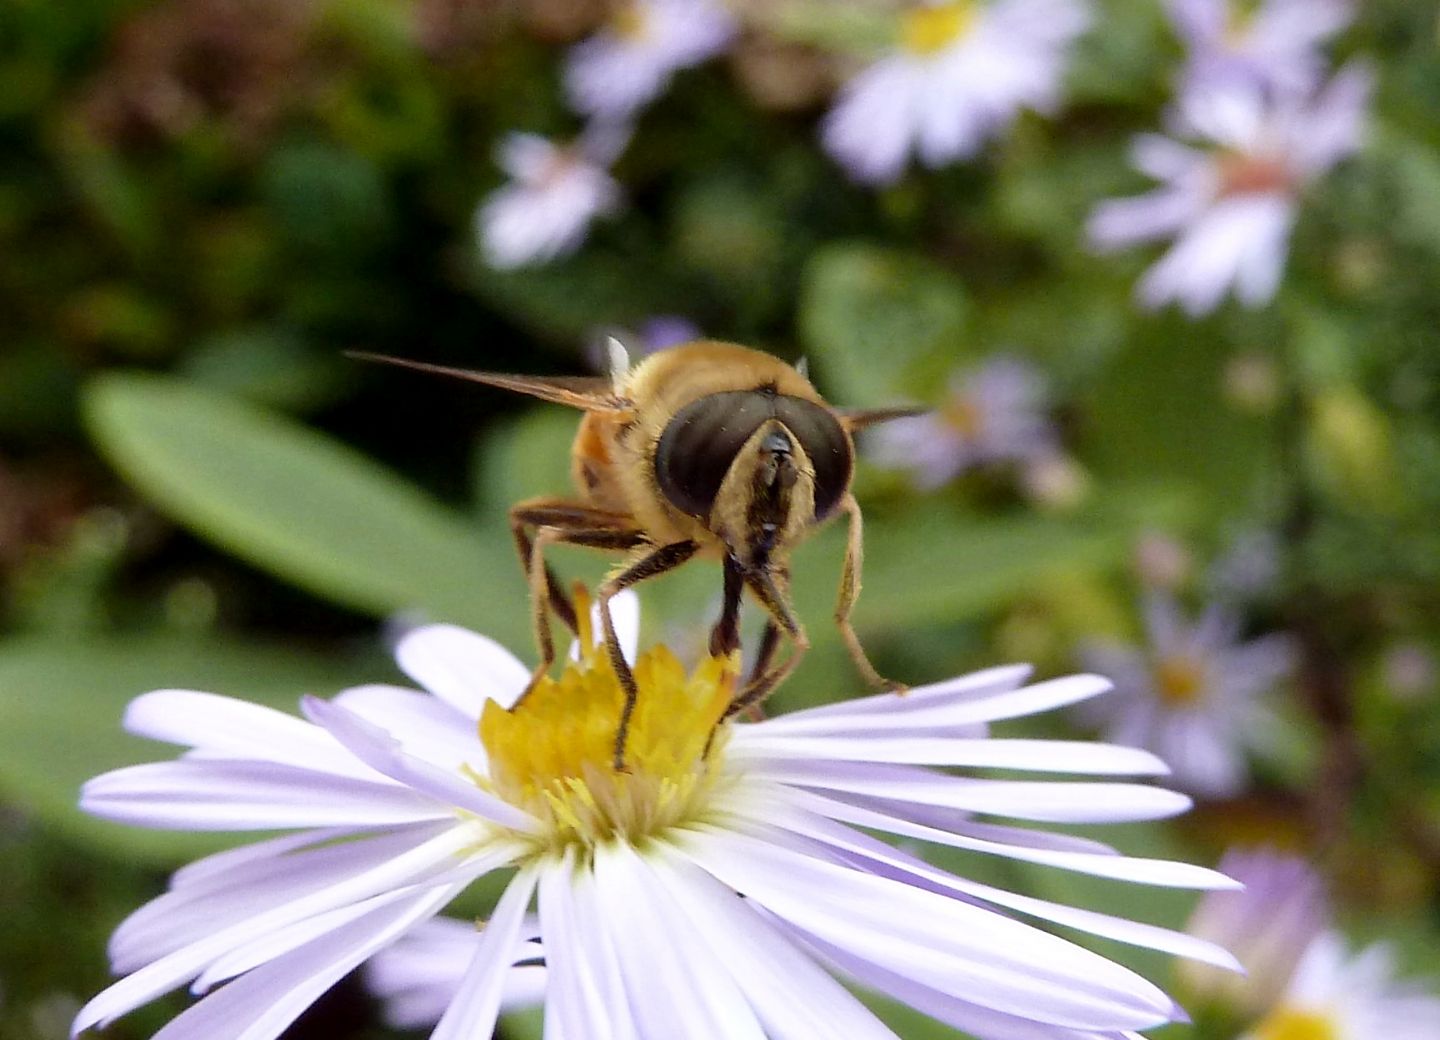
(850,591)
(655,562)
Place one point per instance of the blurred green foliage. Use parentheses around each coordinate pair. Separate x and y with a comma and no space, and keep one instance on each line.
(203,203)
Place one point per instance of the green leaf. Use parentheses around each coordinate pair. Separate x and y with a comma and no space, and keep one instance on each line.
(60,710)
(874,317)
(304,507)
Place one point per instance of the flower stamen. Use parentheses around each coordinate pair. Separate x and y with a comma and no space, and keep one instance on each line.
(552,754)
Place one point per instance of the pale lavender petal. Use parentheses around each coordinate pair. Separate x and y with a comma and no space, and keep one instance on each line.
(1047,802)
(184,964)
(867,853)
(477,1003)
(261,1004)
(1039,755)
(971,953)
(794,998)
(462,668)
(677,989)
(1097,863)
(217,795)
(382,752)
(201,906)
(425,726)
(225,727)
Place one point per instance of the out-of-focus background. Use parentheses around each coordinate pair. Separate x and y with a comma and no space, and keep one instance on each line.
(205,203)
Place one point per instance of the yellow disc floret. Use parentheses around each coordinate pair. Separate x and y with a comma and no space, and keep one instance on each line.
(553,753)
(1296,1024)
(928,30)
(1180,680)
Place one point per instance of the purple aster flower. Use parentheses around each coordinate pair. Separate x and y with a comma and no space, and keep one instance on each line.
(713,888)
(630,62)
(1229,199)
(1268,926)
(1193,695)
(554,194)
(1271,42)
(1341,997)
(993,414)
(961,72)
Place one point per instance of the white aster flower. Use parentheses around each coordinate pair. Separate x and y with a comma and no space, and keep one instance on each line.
(1193,695)
(1333,996)
(961,72)
(1271,42)
(1229,200)
(630,62)
(992,414)
(554,194)
(702,892)
(1268,926)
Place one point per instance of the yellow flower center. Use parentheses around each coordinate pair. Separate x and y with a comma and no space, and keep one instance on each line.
(1294,1024)
(552,754)
(629,22)
(928,30)
(963,416)
(1180,680)
(1254,175)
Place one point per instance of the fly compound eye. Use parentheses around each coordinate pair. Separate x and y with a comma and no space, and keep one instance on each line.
(698,446)
(825,443)
(701,441)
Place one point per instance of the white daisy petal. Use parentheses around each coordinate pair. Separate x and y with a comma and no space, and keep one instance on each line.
(200,907)
(1043,755)
(794,998)
(379,750)
(477,1003)
(425,726)
(686,994)
(877,857)
(174,969)
(461,667)
(229,796)
(1120,868)
(263,1003)
(980,956)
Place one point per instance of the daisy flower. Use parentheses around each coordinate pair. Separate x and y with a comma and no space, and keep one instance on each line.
(554,194)
(960,73)
(1229,199)
(1192,695)
(992,414)
(1276,41)
(713,888)
(630,62)
(1268,926)
(1340,997)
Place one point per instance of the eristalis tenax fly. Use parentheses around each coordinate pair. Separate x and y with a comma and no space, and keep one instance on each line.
(704,450)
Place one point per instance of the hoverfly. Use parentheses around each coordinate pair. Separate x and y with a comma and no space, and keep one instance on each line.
(704,450)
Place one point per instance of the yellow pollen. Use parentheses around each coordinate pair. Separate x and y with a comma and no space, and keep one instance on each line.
(1295,1024)
(964,417)
(1254,175)
(629,22)
(1180,680)
(552,754)
(928,30)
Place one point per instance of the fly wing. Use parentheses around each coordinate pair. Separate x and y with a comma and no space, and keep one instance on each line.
(859,418)
(588,393)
